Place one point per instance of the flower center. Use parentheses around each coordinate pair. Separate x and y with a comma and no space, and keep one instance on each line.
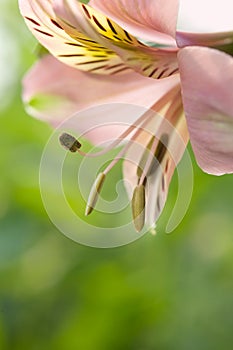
(154,155)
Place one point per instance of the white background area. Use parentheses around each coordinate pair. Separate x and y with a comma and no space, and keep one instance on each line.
(205,15)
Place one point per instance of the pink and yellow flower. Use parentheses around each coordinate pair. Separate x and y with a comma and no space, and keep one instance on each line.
(100,54)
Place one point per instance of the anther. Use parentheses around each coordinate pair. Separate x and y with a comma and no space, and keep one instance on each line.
(138,207)
(69,142)
(162,147)
(93,196)
(149,162)
(145,155)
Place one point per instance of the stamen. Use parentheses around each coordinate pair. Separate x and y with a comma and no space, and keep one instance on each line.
(125,149)
(69,142)
(157,149)
(95,190)
(160,152)
(137,133)
(146,116)
(142,162)
(138,207)
(162,147)
(141,122)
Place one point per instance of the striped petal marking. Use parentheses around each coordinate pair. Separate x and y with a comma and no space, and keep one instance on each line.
(68,44)
(111,50)
(149,61)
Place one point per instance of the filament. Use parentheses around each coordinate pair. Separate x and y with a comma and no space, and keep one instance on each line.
(147,116)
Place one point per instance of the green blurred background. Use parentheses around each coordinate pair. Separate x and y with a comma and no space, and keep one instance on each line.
(161,292)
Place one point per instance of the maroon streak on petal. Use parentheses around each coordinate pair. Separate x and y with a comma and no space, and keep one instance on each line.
(153,20)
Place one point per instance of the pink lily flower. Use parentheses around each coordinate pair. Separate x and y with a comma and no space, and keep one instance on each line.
(183,77)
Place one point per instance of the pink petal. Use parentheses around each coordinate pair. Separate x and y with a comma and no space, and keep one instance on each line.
(149,61)
(68,40)
(54,92)
(153,20)
(207,85)
(204,39)
(88,43)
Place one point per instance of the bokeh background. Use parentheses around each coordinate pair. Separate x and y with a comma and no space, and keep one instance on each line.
(161,292)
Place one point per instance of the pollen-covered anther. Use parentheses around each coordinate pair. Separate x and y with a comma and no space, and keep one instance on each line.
(93,196)
(138,207)
(69,142)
